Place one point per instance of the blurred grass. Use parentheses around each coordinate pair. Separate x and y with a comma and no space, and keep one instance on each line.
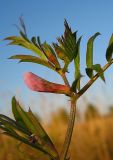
(92,138)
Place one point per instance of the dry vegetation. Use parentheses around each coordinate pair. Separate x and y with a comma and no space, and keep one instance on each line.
(92,138)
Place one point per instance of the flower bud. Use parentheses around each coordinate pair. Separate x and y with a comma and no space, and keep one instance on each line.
(39,84)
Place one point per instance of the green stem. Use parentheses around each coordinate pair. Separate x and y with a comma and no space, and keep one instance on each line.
(65,79)
(69,132)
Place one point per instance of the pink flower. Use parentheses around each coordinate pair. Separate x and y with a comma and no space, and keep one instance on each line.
(39,84)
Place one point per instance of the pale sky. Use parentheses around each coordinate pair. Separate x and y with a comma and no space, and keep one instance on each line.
(45,19)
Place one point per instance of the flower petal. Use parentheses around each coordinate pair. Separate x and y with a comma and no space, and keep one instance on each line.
(39,84)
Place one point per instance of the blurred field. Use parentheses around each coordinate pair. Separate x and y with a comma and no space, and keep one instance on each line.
(92,138)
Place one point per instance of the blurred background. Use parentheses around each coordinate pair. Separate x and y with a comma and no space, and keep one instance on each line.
(92,138)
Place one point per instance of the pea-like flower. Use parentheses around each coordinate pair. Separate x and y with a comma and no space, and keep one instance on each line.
(39,84)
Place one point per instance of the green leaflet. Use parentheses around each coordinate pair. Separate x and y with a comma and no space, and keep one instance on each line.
(37,43)
(33,59)
(7,126)
(10,129)
(60,52)
(109,50)
(34,41)
(22,29)
(68,43)
(3,117)
(24,36)
(25,118)
(75,83)
(70,39)
(77,63)
(20,41)
(4,120)
(50,54)
(16,114)
(47,47)
(89,72)
(42,135)
(75,35)
(39,129)
(89,53)
(22,25)
(98,69)
(6,130)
